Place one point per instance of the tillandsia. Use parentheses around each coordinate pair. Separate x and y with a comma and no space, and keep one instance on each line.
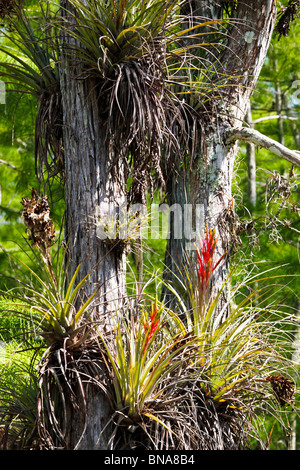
(32,53)
(137,55)
(283,388)
(168,375)
(286,16)
(230,352)
(199,287)
(152,326)
(205,263)
(54,302)
(192,286)
(142,356)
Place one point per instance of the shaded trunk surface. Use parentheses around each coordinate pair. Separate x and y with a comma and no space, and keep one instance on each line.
(90,427)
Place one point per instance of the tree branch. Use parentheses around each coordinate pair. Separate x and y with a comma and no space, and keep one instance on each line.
(3,162)
(275,116)
(251,135)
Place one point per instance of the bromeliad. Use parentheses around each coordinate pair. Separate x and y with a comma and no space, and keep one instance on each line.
(205,265)
(150,328)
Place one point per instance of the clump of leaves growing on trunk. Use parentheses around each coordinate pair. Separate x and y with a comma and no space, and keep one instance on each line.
(142,356)
(54,301)
(170,378)
(141,60)
(32,49)
(176,376)
(286,16)
(53,305)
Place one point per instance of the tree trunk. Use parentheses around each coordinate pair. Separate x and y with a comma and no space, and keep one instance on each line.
(212,165)
(91,186)
(90,190)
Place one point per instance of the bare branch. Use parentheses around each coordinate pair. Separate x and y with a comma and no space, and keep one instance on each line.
(251,135)
(275,116)
(9,165)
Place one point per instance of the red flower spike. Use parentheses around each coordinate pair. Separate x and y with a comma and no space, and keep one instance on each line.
(205,266)
(150,329)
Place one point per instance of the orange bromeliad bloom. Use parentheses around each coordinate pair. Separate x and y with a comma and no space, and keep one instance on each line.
(152,327)
(205,264)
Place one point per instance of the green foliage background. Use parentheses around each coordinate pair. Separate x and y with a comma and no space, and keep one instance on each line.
(17,176)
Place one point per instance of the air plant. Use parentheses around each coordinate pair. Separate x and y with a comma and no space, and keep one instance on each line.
(151,327)
(31,68)
(175,376)
(18,402)
(122,225)
(140,57)
(239,355)
(52,303)
(117,43)
(142,357)
(169,378)
(38,223)
(286,16)
(206,265)
(195,282)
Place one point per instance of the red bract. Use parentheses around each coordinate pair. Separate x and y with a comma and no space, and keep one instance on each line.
(205,263)
(150,329)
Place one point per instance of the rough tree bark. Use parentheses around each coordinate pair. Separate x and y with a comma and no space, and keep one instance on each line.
(211,172)
(89,190)
(90,187)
